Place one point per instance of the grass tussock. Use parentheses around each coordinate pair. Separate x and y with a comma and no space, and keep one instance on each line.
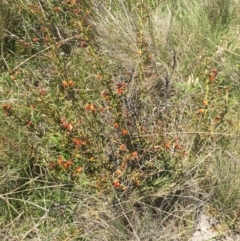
(119,119)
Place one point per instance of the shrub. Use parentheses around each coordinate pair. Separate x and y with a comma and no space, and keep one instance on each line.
(133,100)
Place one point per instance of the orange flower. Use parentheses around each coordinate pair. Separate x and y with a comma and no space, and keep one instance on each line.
(119,91)
(77,142)
(124,132)
(122,147)
(65,84)
(167,145)
(213,75)
(69,127)
(71,83)
(35,40)
(134,155)
(201,111)
(60,160)
(205,102)
(212,78)
(69,163)
(78,169)
(116,125)
(65,124)
(68,83)
(120,88)
(57,9)
(116,183)
(90,107)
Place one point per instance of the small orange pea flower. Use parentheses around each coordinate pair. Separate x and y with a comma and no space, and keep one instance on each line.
(124,132)
(77,142)
(35,40)
(205,102)
(122,147)
(90,107)
(65,124)
(121,87)
(57,9)
(70,83)
(69,163)
(60,160)
(116,125)
(167,145)
(119,91)
(78,169)
(201,111)
(134,155)
(213,75)
(65,84)
(116,183)
(212,78)
(69,127)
